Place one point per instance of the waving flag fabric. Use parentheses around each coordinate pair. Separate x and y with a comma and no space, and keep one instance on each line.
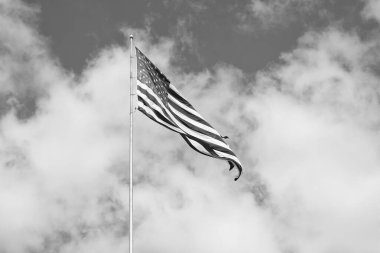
(161,102)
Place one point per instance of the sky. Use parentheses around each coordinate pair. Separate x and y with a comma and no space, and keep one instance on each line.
(293,83)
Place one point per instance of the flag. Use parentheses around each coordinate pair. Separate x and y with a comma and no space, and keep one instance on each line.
(162,102)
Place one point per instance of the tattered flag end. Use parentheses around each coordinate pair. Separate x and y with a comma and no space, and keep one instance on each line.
(238,176)
(231,165)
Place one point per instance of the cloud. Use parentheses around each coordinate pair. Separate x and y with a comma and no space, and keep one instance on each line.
(194,6)
(299,16)
(371,10)
(306,130)
(318,144)
(26,67)
(267,14)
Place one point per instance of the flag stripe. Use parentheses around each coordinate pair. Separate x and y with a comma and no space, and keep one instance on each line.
(163,121)
(212,146)
(149,100)
(209,148)
(171,116)
(198,146)
(191,116)
(216,154)
(152,97)
(195,125)
(201,136)
(154,118)
(153,100)
(157,117)
(177,96)
(230,157)
(190,110)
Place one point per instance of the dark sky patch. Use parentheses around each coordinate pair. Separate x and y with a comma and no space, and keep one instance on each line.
(206,32)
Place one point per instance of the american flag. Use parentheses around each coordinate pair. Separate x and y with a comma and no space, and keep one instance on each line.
(161,102)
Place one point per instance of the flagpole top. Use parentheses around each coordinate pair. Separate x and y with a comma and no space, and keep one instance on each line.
(131,36)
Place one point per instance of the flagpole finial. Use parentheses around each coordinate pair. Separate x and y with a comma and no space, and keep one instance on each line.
(131,36)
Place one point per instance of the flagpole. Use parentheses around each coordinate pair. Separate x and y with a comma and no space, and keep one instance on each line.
(131,110)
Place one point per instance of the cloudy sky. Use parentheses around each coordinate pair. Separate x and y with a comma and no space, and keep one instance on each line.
(295,84)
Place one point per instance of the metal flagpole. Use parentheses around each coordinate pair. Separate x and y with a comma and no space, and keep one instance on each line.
(131,111)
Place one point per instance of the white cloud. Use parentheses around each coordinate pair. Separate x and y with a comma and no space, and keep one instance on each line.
(371,10)
(26,68)
(266,14)
(317,144)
